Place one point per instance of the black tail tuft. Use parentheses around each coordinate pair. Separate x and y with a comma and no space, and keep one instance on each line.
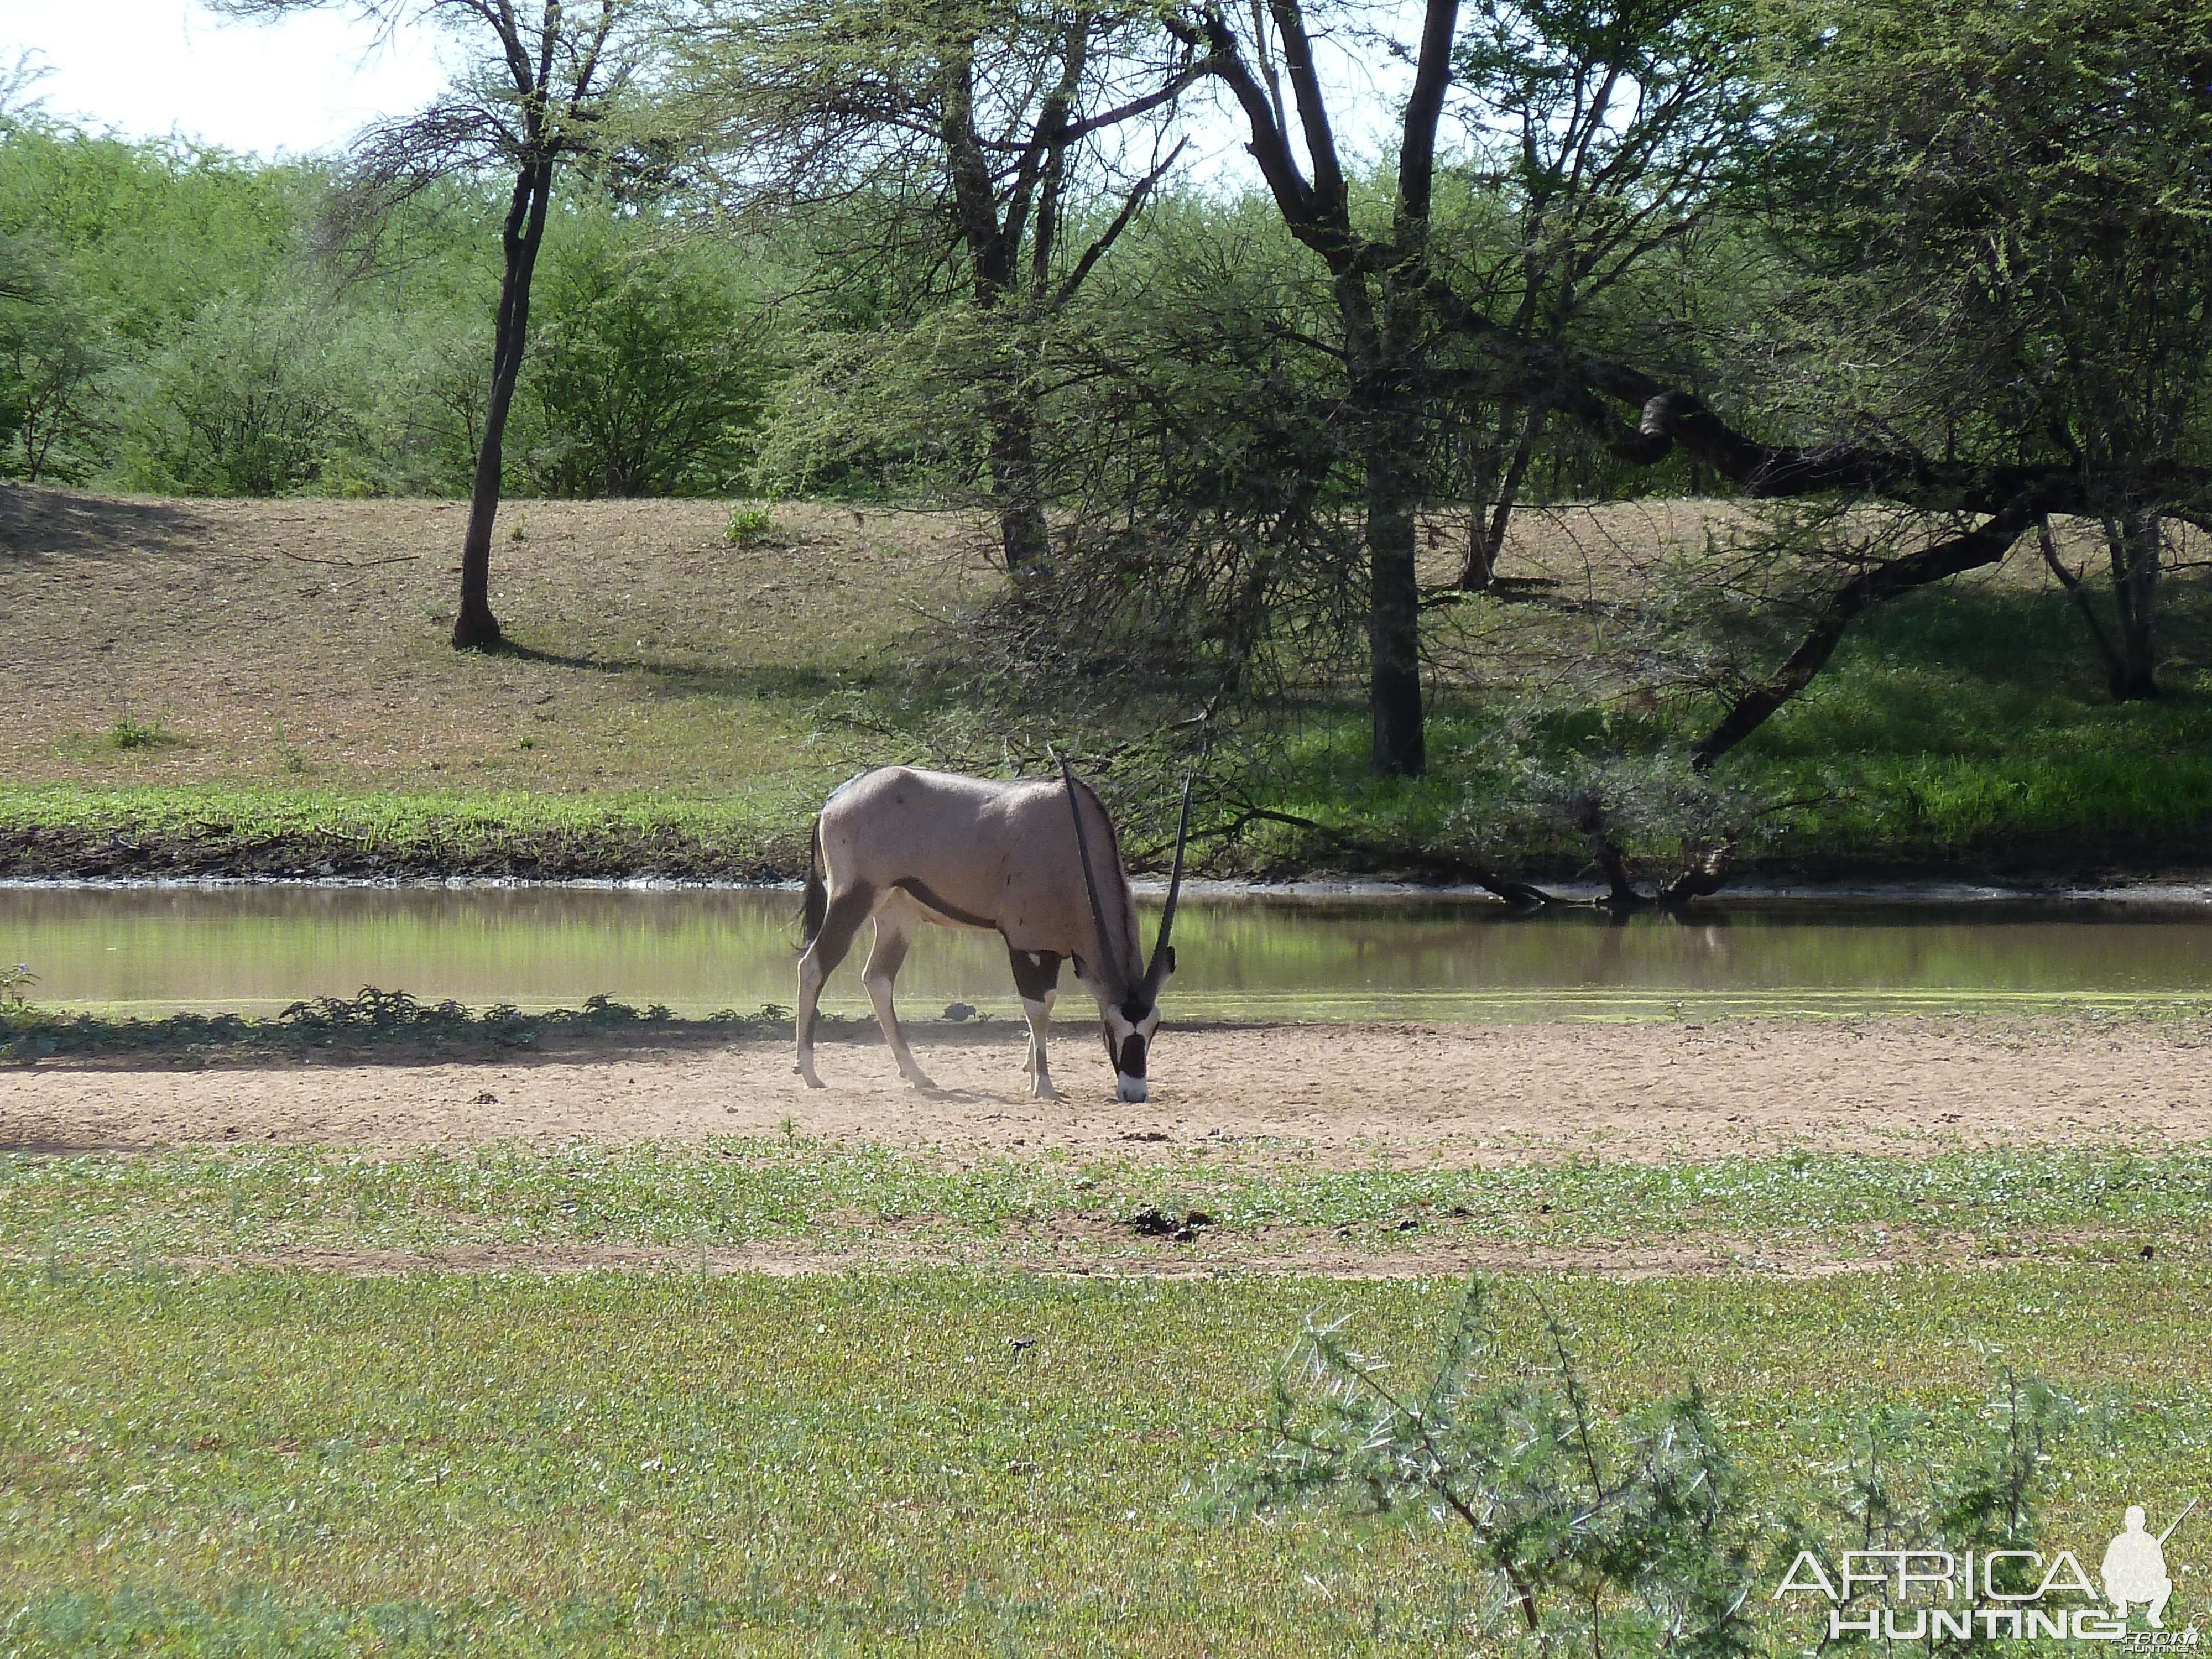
(816,905)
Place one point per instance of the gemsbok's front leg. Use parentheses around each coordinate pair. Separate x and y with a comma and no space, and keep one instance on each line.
(1037,976)
(824,952)
(893,933)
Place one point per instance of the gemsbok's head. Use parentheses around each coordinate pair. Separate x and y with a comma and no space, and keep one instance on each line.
(1130,1001)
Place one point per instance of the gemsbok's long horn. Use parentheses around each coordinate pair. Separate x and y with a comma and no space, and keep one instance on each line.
(1156,971)
(1120,970)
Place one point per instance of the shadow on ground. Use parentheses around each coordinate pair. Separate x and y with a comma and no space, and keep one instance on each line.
(37,523)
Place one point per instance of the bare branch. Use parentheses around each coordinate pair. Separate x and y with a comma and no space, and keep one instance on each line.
(1983,545)
(1130,206)
(1417,151)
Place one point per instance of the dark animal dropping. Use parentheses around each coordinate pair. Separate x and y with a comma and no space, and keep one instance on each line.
(1182,1229)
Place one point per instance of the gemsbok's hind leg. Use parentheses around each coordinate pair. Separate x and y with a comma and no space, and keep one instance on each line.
(1037,976)
(894,932)
(846,913)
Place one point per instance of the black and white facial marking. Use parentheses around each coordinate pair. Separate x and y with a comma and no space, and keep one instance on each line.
(1130,1028)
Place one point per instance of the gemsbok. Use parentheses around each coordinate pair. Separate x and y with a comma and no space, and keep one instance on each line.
(1035,861)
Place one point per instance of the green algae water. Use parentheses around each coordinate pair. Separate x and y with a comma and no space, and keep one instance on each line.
(255,949)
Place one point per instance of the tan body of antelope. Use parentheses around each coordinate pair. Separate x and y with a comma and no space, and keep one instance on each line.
(1035,861)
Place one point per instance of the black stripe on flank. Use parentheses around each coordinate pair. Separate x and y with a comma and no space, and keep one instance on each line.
(921,890)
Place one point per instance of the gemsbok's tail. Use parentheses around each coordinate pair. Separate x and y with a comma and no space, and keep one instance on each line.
(816,905)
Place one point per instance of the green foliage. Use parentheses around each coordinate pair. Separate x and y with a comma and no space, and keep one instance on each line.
(148,233)
(892,415)
(1631,1532)
(130,733)
(1552,795)
(1994,1499)
(251,398)
(650,368)
(1621,1535)
(184,339)
(1965,729)
(55,350)
(169,321)
(1997,220)
(747,525)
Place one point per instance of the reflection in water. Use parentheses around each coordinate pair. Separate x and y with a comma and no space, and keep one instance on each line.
(258,948)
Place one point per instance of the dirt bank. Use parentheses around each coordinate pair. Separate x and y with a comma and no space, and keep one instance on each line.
(1458,1093)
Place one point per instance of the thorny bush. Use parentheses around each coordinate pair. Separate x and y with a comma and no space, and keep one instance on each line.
(1627,1535)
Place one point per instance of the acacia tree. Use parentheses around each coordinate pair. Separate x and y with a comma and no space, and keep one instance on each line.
(1377,279)
(1620,118)
(2003,277)
(536,93)
(2017,178)
(2033,189)
(1003,123)
(1602,134)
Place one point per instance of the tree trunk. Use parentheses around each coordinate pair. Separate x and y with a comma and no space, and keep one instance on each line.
(2080,595)
(1013,421)
(1390,435)
(1497,492)
(1394,602)
(475,628)
(2137,549)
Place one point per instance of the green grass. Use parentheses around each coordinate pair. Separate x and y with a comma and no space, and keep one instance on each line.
(369,1021)
(103,1211)
(1973,724)
(58,829)
(201,1458)
(283,1463)
(130,733)
(1967,728)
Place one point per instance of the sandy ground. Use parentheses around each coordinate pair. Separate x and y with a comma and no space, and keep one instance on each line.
(1463,1094)
(306,640)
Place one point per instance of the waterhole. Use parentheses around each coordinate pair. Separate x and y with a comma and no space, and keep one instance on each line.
(256,949)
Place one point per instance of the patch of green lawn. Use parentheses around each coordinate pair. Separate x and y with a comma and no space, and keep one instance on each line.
(1260,1198)
(258,828)
(290,1462)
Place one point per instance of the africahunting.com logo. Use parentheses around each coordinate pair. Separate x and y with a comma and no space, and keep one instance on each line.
(2019,1594)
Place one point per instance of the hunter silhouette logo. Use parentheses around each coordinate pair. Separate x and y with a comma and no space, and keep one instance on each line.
(1922,1595)
(2134,1571)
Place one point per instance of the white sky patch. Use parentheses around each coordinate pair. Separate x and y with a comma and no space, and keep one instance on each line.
(148,69)
(154,69)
